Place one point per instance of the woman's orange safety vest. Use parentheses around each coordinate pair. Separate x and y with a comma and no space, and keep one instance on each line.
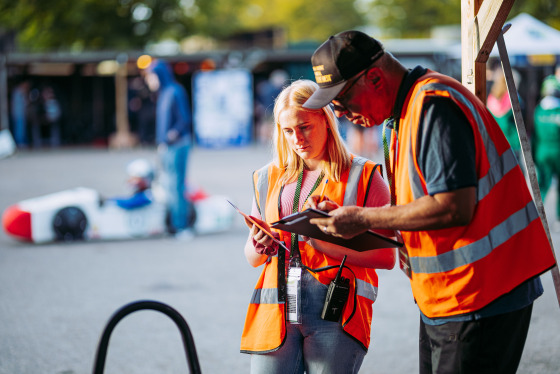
(462,269)
(265,324)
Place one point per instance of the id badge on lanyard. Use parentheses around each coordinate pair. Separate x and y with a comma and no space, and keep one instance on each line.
(294,294)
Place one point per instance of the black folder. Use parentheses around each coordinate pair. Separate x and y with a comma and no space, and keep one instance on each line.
(299,223)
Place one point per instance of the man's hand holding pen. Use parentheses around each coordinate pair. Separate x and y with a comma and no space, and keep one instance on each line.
(322,203)
(340,222)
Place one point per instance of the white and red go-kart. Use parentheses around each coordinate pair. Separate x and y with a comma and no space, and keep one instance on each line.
(83,214)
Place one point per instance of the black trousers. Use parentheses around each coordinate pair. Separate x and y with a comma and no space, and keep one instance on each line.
(489,345)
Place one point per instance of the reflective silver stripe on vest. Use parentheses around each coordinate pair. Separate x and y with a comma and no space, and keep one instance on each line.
(507,161)
(270,295)
(265,296)
(365,289)
(354,176)
(262,188)
(479,249)
(414,178)
(500,165)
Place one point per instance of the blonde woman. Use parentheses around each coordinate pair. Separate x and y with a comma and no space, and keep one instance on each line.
(288,336)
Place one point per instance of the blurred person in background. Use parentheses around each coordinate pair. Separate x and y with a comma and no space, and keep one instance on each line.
(174,141)
(141,110)
(310,152)
(552,79)
(44,114)
(19,104)
(52,116)
(546,142)
(499,104)
(266,92)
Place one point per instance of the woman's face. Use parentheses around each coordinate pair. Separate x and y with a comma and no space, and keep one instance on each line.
(306,133)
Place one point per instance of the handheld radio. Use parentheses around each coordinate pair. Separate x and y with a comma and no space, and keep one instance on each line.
(337,294)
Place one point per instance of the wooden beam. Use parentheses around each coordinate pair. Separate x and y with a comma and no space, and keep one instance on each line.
(488,24)
(481,23)
(473,74)
(122,138)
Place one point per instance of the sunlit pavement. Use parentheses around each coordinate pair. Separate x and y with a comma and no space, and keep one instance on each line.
(55,299)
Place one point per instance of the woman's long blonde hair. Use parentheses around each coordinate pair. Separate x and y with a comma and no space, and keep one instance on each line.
(338,157)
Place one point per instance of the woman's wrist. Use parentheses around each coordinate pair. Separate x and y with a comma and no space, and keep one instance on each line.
(266,250)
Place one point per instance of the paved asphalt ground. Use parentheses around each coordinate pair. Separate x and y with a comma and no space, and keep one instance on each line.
(55,299)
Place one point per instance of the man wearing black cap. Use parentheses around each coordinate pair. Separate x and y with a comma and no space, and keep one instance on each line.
(474,243)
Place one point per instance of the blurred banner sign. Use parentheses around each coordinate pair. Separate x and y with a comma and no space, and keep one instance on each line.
(223,107)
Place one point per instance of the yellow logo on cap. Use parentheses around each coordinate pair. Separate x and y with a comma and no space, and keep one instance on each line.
(319,77)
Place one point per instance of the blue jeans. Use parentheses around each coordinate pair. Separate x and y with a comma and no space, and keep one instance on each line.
(174,163)
(315,346)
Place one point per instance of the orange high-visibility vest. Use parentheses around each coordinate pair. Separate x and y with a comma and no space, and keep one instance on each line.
(265,324)
(462,269)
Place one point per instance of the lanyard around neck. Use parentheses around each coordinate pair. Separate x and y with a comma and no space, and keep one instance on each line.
(388,168)
(295,208)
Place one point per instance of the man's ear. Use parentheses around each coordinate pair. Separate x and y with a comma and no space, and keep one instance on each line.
(373,76)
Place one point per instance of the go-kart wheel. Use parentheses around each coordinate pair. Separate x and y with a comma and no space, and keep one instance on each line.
(190,220)
(69,224)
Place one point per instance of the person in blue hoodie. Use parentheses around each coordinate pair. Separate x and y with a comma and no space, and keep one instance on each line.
(174,140)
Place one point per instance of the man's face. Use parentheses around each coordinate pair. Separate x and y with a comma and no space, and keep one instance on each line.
(364,100)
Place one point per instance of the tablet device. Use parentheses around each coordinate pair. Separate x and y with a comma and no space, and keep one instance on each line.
(299,223)
(250,219)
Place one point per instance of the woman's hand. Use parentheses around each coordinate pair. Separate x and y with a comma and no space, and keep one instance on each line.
(260,233)
(325,204)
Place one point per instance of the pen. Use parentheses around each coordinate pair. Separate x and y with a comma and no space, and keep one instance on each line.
(323,192)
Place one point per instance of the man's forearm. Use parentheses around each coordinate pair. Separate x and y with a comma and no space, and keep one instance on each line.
(440,211)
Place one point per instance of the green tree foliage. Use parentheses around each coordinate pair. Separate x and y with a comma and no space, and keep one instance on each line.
(304,20)
(131,24)
(415,18)
(547,11)
(411,18)
(92,24)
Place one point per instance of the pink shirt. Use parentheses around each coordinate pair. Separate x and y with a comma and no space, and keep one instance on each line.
(379,194)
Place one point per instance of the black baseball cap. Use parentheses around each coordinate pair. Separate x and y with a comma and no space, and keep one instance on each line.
(338,59)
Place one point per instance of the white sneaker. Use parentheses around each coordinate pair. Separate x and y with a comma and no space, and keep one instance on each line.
(185,235)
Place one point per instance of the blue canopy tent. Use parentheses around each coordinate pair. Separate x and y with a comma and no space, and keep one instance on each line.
(534,50)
